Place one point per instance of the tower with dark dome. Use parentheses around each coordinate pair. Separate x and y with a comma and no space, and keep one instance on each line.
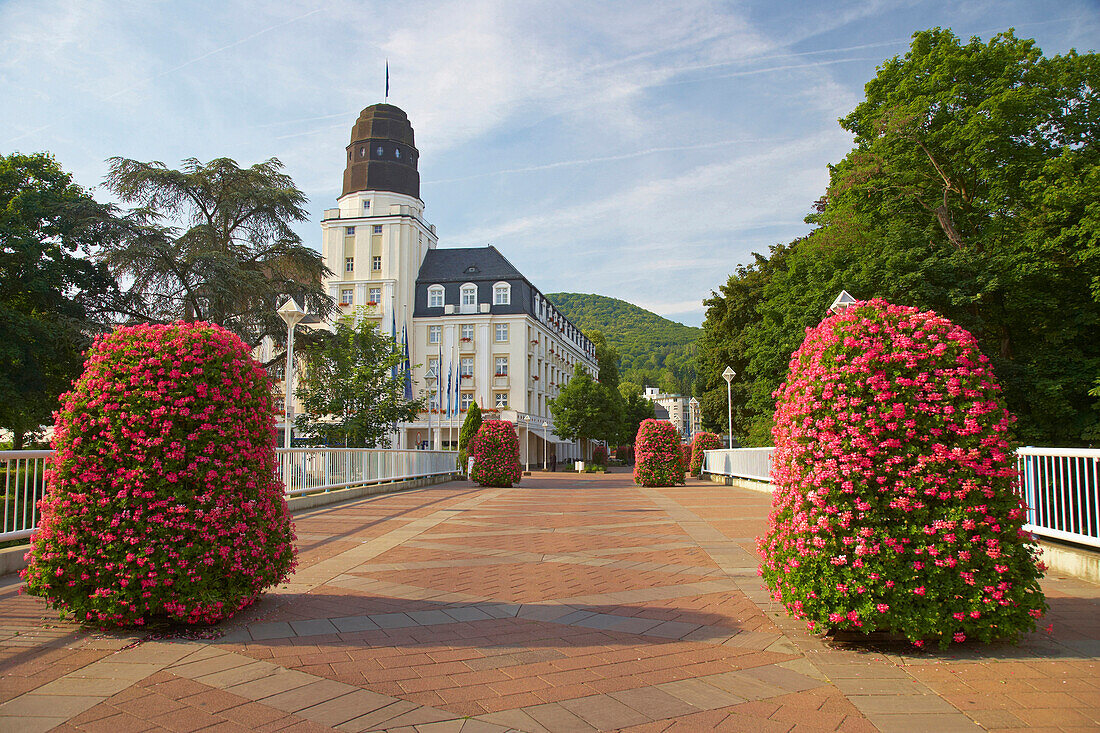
(382,155)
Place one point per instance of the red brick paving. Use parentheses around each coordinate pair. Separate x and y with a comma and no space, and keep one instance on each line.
(575,673)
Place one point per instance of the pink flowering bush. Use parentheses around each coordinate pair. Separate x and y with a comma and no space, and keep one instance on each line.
(658,459)
(163,503)
(701,442)
(599,455)
(495,450)
(894,507)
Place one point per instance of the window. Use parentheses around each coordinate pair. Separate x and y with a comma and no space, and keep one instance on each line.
(502,294)
(374,295)
(377,228)
(349,264)
(366,205)
(345,296)
(433,367)
(467,332)
(469,295)
(465,400)
(502,333)
(466,366)
(434,333)
(502,366)
(435,296)
(378,151)
(501,400)
(376,262)
(349,231)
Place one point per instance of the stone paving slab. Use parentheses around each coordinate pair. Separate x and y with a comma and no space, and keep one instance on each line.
(563,604)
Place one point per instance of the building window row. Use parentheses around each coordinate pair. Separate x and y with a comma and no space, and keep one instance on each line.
(502,295)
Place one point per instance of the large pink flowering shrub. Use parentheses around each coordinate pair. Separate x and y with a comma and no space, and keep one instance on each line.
(658,458)
(700,443)
(163,501)
(894,507)
(495,450)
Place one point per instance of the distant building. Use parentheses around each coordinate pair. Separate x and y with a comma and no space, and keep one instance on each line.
(682,412)
(476,328)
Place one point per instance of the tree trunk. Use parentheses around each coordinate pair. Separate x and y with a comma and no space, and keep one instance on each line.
(947,223)
(17,438)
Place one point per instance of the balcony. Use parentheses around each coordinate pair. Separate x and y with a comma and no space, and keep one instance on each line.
(465,347)
(370,310)
(500,380)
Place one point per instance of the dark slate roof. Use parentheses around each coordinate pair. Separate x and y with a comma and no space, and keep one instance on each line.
(466,264)
(660,413)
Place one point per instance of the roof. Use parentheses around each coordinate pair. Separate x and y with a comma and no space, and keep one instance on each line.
(466,264)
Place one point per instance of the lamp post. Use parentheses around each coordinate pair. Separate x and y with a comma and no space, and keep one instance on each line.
(545,446)
(292,314)
(527,442)
(728,375)
(431,393)
(844,300)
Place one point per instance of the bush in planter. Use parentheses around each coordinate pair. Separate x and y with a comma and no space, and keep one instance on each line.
(163,501)
(700,443)
(894,507)
(625,453)
(599,455)
(658,460)
(495,450)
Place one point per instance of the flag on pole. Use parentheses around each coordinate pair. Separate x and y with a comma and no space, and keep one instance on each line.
(408,371)
(393,335)
(450,367)
(387,80)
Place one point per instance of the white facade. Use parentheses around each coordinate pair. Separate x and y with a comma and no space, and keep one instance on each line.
(683,412)
(375,243)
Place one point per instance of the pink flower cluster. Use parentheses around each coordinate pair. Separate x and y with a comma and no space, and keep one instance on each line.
(700,443)
(658,457)
(163,501)
(894,506)
(495,450)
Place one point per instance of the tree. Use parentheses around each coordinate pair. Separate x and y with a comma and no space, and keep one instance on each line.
(971,192)
(352,389)
(586,409)
(213,242)
(636,409)
(51,298)
(466,433)
(607,358)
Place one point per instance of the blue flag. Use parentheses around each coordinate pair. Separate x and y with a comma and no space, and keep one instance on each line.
(450,367)
(408,371)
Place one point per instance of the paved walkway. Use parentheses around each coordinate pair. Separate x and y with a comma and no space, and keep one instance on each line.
(569,603)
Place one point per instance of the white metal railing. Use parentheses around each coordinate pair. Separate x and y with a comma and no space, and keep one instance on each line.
(24,480)
(1061,487)
(311,470)
(302,470)
(751,463)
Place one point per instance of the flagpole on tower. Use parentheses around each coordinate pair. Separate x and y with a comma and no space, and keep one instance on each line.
(387,99)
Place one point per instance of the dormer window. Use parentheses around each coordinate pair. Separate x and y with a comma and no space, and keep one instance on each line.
(435,296)
(469,294)
(502,294)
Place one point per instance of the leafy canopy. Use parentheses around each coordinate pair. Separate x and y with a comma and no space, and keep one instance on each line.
(971,192)
(352,388)
(213,242)
(586,409)
(52,296)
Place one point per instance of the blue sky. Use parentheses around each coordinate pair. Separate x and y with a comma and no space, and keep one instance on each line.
(634,149)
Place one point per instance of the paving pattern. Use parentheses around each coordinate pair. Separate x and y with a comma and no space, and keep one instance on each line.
(568,603)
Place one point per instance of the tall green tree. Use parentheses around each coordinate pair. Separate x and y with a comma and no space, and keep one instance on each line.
(214,242)
(586,409)
(467,432)
(350,391)
(970,192)
(52,296)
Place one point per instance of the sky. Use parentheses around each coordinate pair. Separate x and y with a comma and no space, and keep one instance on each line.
(634,149)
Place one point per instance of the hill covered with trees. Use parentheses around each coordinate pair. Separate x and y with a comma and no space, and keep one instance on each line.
(653,351)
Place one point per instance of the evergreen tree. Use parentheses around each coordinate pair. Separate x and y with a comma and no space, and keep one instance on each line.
(466,433)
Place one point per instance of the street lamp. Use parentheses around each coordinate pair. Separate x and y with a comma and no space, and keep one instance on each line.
(431,393)
(729,374)
(527,442)
(844,300)
(292,314)
(545,446)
